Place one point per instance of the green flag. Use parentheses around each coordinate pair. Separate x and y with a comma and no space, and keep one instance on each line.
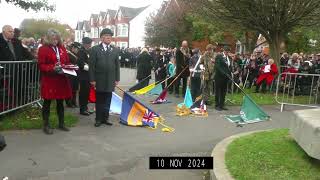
(250,112)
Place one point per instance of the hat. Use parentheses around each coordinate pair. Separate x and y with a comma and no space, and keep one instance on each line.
(75,45)
(106,31)
(86,40)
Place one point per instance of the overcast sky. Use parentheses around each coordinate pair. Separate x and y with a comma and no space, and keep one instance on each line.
(68,11)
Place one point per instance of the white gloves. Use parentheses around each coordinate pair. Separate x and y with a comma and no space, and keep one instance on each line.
(202,67)
(86,67)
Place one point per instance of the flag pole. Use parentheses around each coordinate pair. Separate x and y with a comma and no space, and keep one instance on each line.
(177,77)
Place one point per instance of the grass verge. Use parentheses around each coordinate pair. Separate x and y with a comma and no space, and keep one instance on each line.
(270,155)
(268,98)
(30,118)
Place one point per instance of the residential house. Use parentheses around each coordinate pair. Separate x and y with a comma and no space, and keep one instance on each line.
(126,23)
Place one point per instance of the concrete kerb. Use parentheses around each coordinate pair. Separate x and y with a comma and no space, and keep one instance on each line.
(220,170)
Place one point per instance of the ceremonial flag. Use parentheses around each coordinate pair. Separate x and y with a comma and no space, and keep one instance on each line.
(138,85)
(162,97)
(145,89)
(156,90)
(187,99)
(250,112)
(199,108)
(116,104)
(134,113)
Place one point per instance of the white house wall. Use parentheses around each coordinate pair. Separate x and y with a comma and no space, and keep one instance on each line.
(137,28)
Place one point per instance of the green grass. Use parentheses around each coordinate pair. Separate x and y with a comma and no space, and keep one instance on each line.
(270,155)
(30,118)
(268,98)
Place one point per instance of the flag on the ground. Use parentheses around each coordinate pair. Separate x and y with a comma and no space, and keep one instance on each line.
(199,108)
(156,90)
(250,113)
(137,86)
(134,113)
(162,97)
(145,89)
(116,104)
(187,99)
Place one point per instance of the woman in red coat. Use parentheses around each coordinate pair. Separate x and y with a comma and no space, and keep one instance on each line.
(52,56)
(266,76)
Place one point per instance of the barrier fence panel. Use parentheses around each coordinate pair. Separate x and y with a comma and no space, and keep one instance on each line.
(20,85)
(298,89)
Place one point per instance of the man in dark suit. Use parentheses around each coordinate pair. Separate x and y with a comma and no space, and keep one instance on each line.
(160,68)
(104,74)
(183,56)
(83,74)
(222,74)
(11,48)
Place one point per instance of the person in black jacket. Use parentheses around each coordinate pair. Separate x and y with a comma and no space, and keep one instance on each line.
(144,67)
(11,49)
(160,68)
(183,56)
(73,57)
(222,75)
(83,74)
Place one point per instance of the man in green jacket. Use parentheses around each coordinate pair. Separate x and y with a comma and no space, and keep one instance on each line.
(104,75)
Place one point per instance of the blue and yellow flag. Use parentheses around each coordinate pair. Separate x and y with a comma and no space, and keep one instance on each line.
(134,113)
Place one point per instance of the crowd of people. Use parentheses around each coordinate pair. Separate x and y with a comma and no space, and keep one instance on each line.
(207,73)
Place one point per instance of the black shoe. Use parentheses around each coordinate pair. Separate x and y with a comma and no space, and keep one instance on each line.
(107,123)
(85,113)
(225,109)
(47,130)
(218,108)
(97,124)
(63,128)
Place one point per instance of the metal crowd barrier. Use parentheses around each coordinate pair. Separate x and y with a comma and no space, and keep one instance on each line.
(20,85)
(298,89)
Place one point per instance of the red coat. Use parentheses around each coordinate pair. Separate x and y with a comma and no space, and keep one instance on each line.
(269,76)
(53,85)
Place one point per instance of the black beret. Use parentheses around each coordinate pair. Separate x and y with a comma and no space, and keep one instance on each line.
(106,31)
(86,40)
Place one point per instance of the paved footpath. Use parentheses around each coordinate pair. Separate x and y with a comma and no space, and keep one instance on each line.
(120,152)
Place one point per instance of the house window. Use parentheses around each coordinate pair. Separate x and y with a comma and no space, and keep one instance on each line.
(108,18)
(122,44)
(122,30)
(100,19)
(92,21)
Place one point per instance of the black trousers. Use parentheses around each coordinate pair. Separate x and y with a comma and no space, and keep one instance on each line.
(184,85)
(103,105)
(195,87)
(46,111)
(220,91)
(84,95)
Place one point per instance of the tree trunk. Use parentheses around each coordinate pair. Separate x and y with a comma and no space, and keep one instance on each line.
(275,49)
